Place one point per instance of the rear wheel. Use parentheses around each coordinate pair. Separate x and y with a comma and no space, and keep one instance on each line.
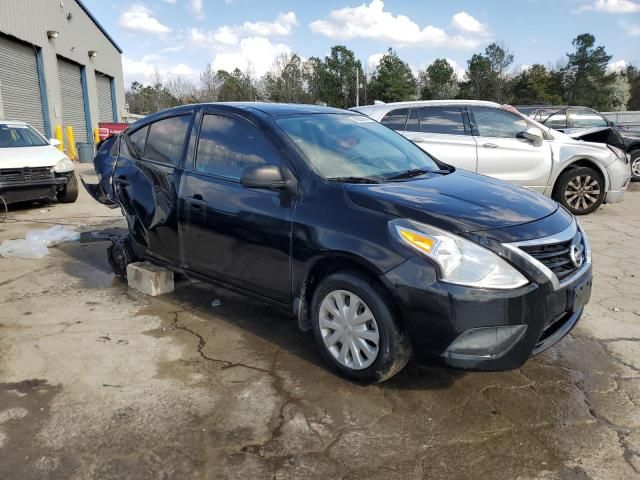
(354,326)
(69,193)
(120,254)
(580,190)
(635,165)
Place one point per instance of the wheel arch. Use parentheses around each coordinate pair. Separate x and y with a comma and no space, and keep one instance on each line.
(323,267)
(633,147)
(581,162)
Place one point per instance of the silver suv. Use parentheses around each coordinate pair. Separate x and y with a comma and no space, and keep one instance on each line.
(497,141)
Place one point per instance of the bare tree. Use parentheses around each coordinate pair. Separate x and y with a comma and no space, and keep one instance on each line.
(210,83)
(184,90)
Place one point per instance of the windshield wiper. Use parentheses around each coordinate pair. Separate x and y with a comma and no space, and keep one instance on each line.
(355,179)
(415,172)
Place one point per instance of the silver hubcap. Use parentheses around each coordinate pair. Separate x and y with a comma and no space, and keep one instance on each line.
(349,330)
(582,192)
(635,166)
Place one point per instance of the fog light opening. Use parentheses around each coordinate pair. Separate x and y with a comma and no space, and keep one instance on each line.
(486,342)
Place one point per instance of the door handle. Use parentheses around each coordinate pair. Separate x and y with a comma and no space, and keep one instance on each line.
(418,140)
(196,202)
(489,145)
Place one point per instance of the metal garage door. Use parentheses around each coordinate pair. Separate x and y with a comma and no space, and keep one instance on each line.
(105,101)
(72,98)
(19,84)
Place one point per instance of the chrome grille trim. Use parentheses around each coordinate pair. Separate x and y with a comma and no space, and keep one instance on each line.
(564,236)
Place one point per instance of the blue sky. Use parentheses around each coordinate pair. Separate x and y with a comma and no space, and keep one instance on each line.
(179,37)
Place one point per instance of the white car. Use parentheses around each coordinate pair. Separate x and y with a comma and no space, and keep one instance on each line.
(497,141)
(32,168)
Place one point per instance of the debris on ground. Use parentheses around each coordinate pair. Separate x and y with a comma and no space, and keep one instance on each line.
(36,242)
(216,303)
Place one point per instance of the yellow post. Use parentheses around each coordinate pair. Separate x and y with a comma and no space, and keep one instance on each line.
(73,153)
(96,135)
(59,137)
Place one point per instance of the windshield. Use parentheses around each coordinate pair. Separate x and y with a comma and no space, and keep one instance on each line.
(354,146)
(17,135)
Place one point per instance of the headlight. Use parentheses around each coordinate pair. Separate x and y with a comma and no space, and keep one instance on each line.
(460,261)
(64,165)
(618,152)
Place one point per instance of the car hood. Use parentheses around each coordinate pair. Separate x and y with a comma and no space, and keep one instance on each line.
(20,157)
(596,134)
(460,202)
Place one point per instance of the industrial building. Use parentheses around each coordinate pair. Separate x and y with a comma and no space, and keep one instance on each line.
(58,67)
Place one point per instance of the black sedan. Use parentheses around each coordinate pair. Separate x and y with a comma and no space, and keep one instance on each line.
(381,250)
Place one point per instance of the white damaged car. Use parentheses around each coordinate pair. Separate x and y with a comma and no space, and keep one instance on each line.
(32,168)
(496,140)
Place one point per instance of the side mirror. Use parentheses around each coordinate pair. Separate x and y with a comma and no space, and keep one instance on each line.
(264,176)
(532,134)
(54,142)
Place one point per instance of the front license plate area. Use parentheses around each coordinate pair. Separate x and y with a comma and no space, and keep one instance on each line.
(579,296)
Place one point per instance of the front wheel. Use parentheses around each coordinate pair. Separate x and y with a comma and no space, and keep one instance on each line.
(580,190)
(69,193)
(354,326)
(635,165)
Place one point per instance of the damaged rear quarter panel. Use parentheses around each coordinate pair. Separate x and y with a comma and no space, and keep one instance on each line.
(147,192)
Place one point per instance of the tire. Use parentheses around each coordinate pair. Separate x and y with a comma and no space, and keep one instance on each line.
(70,192)
(580,190)
(393,348)
(120,254)
(635,165)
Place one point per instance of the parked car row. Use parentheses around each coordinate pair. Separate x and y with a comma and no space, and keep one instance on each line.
(486,138)
(32,168)
(384,251)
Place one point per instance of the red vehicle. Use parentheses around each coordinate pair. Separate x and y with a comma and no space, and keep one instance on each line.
(105,130)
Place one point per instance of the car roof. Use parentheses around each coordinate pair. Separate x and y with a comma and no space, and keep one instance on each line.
(418,103)
(380,108)
(12,122)
(259,108)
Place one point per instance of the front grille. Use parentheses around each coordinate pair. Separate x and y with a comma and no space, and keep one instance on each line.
(557,256)
(9,175)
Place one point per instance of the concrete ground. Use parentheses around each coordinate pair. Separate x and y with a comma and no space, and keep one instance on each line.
(98,381)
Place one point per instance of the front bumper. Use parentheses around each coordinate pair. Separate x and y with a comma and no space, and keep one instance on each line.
(478,329)
(23,191)
(619,178)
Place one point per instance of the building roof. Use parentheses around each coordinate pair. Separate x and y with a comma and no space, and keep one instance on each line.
(97,23)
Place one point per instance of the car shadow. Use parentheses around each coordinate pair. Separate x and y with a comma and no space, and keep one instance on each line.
(261,320)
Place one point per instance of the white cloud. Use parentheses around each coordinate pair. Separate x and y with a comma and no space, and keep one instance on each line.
(610,6)
(254,53)
(373,22)
(457,69)
(373,61)
(138,18)
(283,25)
(466,23)
(144,69)
(196,7)
(232,34)
(631,29)
(617,66)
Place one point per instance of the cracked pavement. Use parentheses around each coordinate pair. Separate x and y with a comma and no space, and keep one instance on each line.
(99,381)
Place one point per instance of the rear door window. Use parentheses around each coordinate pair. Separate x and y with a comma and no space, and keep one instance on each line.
(413,122)
(139,140)
(443,120)
(166,139)
(396,119)
(228,145)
